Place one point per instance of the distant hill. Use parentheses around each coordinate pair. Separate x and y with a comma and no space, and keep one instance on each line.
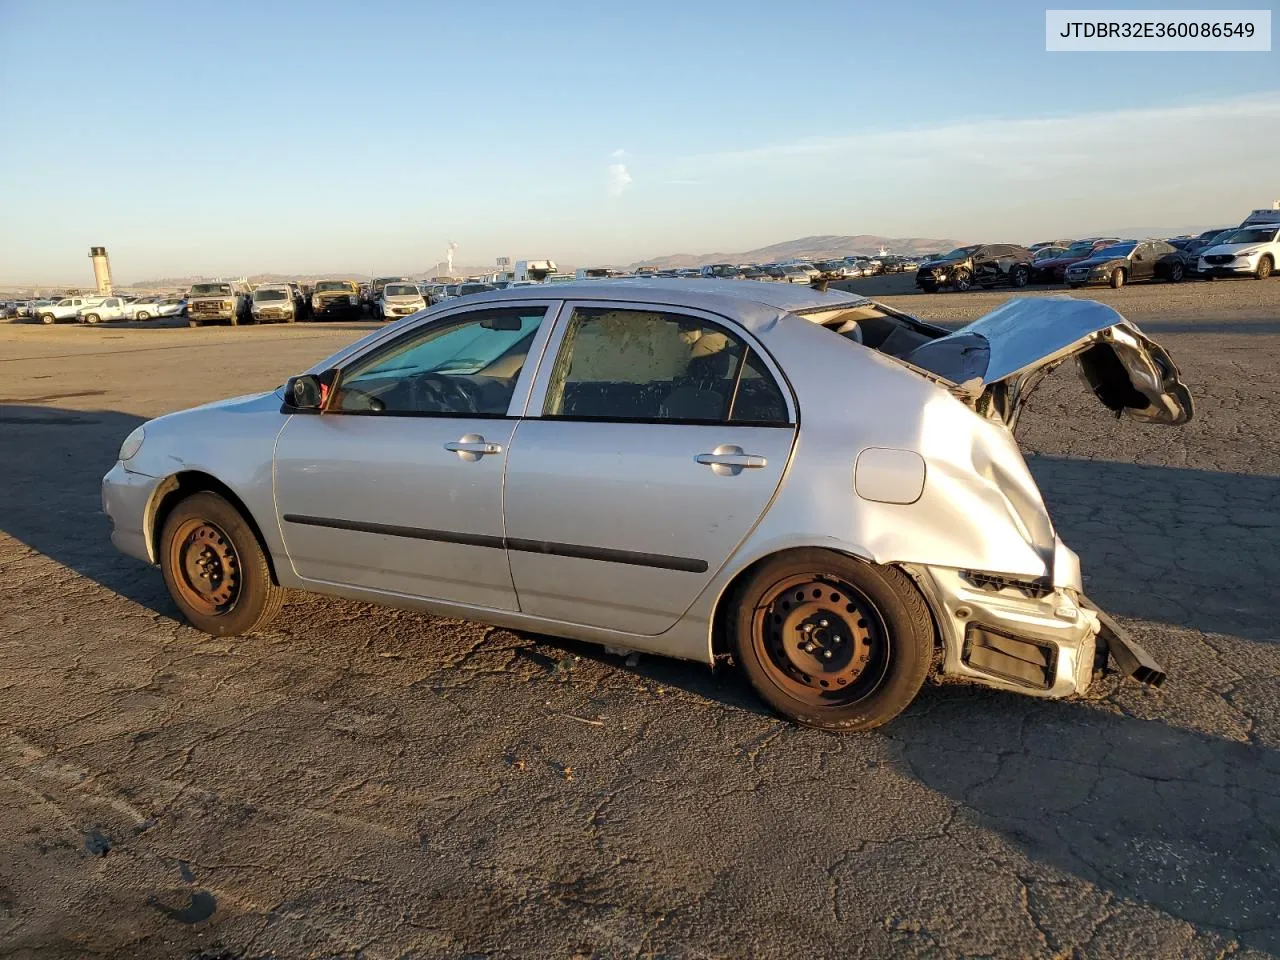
(820,247)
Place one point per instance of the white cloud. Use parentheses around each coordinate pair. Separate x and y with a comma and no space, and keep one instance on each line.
(1025,149)
(618,154)
(619,179)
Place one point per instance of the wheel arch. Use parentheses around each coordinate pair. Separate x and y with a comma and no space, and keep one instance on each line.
(718,640)
(177,487)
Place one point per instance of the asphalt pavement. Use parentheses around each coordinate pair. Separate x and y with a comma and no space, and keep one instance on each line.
(364,782)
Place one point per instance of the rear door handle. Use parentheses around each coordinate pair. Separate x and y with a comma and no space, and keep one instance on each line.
(472,446)
(729,460)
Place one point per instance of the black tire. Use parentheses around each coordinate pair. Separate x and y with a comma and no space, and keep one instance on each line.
(1117,278)
(873,667)
(1176,273)
(91,318)
(142,315)
(1265,266)
(1019,277)
(962,280)
(47,318)
(237,594)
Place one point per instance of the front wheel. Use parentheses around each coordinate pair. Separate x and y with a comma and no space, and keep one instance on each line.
(1265,266)
(1176,273)
(215,569)
(46,318)
(1019,277)
(1117,279)
(142,315)
(832,642)
(963,280)
(91,318)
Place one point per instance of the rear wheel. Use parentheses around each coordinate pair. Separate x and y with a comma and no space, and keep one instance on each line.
(1265,266)
(1019,277)
(1176,273)
(1117,278)
(963,280)
(46,318)
(91,318)
(215,569)
(142,315)
(832,642)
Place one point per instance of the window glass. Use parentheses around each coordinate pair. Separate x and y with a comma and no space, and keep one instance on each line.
(462,365)
(653,366)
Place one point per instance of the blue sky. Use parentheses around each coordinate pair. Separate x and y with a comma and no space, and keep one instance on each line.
(239,137)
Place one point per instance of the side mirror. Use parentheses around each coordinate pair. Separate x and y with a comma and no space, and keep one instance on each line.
(304,393)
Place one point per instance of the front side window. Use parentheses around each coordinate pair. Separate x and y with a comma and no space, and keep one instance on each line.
(454,366)
(643,365)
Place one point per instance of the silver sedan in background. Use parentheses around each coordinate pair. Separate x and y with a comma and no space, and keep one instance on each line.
(823,488)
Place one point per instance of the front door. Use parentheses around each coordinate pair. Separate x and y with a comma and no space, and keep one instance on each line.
(397,485)
(658,440)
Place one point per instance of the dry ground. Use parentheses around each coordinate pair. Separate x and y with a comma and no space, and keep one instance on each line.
(360,782)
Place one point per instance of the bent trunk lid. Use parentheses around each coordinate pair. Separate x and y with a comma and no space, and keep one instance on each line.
(998,360)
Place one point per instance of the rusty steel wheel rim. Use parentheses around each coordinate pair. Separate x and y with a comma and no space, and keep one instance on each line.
(205,566)
(820,640)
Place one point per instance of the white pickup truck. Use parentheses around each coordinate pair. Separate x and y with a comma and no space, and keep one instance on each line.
(105,308)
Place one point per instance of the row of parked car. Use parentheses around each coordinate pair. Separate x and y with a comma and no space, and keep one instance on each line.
(1249,250)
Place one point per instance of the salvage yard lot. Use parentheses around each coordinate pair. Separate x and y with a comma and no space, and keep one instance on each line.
(362,782)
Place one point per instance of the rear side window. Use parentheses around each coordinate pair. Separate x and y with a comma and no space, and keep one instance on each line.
(655,366)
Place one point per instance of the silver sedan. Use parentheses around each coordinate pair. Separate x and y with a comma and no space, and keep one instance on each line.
(819,486)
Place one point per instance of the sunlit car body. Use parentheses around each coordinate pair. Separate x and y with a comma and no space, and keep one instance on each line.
(638,462)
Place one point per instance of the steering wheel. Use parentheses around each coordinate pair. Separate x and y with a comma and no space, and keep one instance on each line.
(444,394)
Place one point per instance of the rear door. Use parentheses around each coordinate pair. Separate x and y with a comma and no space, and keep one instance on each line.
(654,440)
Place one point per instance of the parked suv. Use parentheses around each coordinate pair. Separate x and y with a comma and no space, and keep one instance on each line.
(221,300)
(67,308)
(273,301)
(985,264)
(1249,251)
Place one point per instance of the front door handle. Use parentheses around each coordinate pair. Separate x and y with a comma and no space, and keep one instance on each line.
(472,446)
(729,460)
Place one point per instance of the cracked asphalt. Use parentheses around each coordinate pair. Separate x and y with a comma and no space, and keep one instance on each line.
(363,782)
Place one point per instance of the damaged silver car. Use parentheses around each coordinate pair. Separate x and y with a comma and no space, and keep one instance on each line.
(823,488)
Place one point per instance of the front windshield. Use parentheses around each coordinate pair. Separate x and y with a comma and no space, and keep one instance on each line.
(210,289)
(401,290)
(1079,249)
(959,253)
(331,286)
(1044,253)
(1252,235)
(1114,252)
(260,296)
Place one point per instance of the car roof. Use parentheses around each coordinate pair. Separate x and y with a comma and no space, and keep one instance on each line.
(756,305)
